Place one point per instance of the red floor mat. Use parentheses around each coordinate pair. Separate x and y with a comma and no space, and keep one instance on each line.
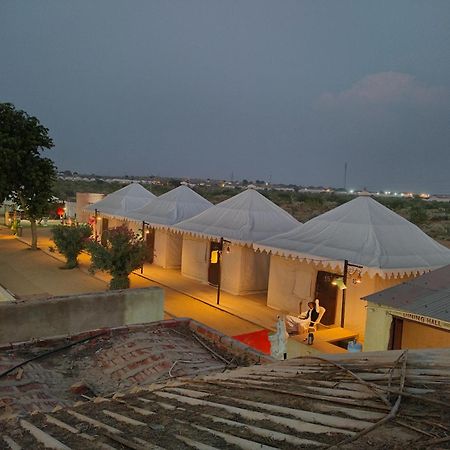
(259,340)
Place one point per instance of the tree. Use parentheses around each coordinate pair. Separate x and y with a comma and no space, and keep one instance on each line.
(124,252)
(27,178)
(417,215)
(71,241)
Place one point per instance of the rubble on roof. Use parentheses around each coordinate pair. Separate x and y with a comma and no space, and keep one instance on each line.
(378,400)
(104,362)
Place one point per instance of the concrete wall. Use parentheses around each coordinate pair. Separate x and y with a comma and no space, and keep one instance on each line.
(378,326)
(414,334)
(418,335)
(5,295)
(21,321)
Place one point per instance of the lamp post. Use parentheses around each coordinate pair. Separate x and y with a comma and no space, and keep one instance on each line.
(143,239)
(219,257)
(344,290)
(95,223)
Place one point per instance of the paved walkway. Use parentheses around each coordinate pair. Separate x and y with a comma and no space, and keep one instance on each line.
(235,315)
(35,274)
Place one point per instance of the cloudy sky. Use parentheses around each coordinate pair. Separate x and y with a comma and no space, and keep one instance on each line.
(281,90)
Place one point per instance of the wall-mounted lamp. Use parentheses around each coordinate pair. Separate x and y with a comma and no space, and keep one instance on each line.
(339,282)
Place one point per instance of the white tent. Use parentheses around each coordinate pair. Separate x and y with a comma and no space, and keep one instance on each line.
(121,202)
(242,220)
(114,208)
(170,208)
(363,232)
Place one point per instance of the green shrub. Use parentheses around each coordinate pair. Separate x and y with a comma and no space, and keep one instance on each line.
(124,252)
(71,241)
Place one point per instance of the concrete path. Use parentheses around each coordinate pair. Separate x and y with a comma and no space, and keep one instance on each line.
(184,297)
(27,274)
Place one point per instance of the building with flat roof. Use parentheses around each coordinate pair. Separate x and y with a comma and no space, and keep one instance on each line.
(414,314)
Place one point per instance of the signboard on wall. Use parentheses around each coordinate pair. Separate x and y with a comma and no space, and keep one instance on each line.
(422,319)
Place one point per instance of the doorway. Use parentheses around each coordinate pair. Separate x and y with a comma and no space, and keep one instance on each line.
(327,294)
(214,268)
(396,334)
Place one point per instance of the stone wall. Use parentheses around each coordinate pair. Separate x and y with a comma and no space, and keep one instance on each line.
(68,315)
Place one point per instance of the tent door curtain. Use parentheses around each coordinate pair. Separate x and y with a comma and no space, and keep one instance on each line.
(396,334)
(214,267)
(327,294)
(150,244)
(105,224)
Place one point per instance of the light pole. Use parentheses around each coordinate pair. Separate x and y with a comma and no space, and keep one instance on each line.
(95,223)
(219,269)
(144,240)
(344,290)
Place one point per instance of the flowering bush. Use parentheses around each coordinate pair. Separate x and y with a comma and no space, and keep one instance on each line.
(71,241)
(124,252)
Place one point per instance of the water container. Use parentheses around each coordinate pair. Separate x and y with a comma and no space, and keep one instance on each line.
(354,346)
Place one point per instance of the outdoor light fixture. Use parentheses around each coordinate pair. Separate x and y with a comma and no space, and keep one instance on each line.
(216,256)
(358,279)
(339,282)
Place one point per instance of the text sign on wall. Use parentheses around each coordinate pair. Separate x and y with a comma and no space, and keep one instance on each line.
(422,319)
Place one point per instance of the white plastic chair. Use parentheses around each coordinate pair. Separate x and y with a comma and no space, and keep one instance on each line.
(317,323)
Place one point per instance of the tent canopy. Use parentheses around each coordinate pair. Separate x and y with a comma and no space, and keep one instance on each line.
(172,207)
(244,218)
(121,202)
(366,233)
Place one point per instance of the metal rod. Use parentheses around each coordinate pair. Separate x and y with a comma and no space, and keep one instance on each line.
(143,238)
(344,279)
(95,223)
(219,256)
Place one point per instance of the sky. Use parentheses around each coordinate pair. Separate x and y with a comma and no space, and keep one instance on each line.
(284,91)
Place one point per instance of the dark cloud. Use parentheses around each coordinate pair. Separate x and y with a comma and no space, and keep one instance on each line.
(289,90)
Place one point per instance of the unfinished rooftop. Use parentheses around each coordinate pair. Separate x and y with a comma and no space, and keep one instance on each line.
(44,374)
(376,400)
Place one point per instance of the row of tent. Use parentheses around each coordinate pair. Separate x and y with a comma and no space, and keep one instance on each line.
(271,251)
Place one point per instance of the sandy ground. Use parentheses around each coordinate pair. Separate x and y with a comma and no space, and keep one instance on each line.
(29,273)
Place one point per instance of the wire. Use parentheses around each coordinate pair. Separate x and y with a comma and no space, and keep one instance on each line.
(43,355)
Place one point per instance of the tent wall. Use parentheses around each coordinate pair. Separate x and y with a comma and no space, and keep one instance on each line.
(244,271)
(168,247)
(292,285)
(195,258)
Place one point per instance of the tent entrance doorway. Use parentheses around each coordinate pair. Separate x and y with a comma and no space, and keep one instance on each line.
(327,294)
(213,268)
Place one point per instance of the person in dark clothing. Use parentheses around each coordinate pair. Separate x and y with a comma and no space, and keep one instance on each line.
(301,323)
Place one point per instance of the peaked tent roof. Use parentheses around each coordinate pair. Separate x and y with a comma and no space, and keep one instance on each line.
(245,218)
(172,207)
(366,233)
(121,202)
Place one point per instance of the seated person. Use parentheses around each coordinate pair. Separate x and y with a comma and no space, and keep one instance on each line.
(300,324)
